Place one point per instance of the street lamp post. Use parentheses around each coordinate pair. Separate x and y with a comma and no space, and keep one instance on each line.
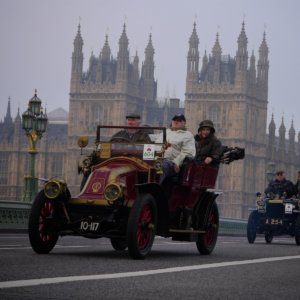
(34,122)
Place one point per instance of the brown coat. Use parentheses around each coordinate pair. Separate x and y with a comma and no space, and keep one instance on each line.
(208,147)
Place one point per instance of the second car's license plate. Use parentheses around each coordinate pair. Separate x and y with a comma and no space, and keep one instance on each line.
(89,226)
(274,221)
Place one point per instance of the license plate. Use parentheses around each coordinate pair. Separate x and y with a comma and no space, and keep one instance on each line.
(274,221)
(89,226)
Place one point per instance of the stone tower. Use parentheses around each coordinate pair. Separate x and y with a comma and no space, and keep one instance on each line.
(106,92)
(235,97)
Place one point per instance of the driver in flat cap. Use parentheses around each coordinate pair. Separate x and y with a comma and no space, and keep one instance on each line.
(132,135)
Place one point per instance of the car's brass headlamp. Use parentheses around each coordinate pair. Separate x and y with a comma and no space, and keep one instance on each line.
(53,188)
(112,192)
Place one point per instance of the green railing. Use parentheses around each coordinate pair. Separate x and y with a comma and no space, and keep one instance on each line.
(232,226)
(14,216)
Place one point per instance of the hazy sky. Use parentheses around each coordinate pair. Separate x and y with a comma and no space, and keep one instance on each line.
(37,43)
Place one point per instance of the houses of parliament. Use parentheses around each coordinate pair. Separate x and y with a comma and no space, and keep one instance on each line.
(232,91)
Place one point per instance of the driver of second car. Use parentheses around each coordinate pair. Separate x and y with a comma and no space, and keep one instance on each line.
(132,134)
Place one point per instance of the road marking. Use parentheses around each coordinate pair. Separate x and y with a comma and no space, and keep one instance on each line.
(57,246)
(42,281)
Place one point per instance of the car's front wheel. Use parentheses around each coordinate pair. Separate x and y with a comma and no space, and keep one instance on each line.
(268,237)
(251,226)
(206,242)
(297,231)
(141,226)
(42,238)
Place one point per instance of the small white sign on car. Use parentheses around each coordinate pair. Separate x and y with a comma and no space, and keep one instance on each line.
(288,208)
(148,153)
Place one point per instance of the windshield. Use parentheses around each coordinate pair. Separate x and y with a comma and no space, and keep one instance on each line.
(145,141)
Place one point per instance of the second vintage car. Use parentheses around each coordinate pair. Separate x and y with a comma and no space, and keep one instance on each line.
(274,215)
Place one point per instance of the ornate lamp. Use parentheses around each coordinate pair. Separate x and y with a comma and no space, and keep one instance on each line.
(34,122)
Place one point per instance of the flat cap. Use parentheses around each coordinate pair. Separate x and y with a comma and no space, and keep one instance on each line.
(179,117)
(133,116)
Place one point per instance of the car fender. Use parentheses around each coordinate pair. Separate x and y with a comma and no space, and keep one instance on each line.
(203,208)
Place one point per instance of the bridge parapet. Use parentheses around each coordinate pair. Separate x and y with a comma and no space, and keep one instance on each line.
(14,216)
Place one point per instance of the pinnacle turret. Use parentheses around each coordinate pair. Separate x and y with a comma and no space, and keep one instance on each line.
(123,57)
(241,58)
(193,57)
(217,50)
(272,127)
(263,64)
(77,62)
(105,53)
(8,118)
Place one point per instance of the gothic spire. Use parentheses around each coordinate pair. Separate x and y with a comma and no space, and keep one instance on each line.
(77,62)
(263,49)
(272,127)
(78,41)
(105,53)
(217,50)
(242,39)
(123,41)
(282,137)
(292,134)
(193,57)
(149,51)
(123,57)
(194,40)
(8,118)
(292,130)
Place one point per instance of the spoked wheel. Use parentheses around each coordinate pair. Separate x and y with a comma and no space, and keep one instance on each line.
(141,226)
(42,239)
(118,244)
(251,227)
(268,237)
(206,242)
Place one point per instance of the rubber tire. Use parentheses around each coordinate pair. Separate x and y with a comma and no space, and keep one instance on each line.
(268,237)
(118,244)
(36,234)
(135,230)
(297,231)
(251,226)
(204,246)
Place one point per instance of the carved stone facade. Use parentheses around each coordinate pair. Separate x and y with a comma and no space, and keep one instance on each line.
(234,95)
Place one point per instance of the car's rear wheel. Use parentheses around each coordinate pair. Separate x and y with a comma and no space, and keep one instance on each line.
(141,226)
(206,242)
(118,244)
(42,239)
(297,231)
(251,226)
(268,237)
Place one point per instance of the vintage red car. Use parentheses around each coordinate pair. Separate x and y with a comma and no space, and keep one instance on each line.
(121,199)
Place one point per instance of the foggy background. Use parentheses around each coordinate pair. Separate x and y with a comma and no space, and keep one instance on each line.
(37,43)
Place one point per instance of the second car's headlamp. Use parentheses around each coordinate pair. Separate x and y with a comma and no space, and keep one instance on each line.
(112,192)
